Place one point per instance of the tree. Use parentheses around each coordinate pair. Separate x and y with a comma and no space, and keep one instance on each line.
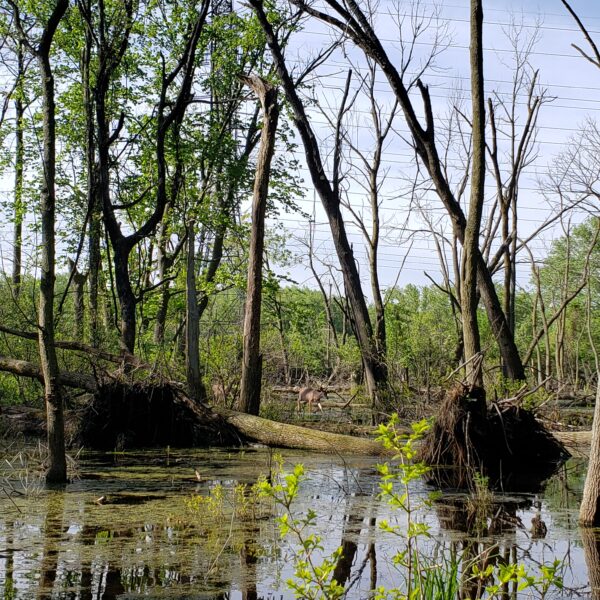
(349,19)
(252,360)
(375,367)
(57,465)
(170,111)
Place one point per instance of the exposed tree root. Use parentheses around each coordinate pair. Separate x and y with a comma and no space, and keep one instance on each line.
(136,415)
(503,442)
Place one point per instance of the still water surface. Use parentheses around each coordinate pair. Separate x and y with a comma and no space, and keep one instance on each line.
(145,541)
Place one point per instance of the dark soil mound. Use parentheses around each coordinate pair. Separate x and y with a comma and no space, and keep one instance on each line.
(142,415)
(503,442)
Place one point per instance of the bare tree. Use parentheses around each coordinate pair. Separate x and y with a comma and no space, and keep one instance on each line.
(349,19)
(512,149)
(368,174)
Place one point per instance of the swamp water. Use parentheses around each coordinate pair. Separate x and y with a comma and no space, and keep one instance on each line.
(145,539)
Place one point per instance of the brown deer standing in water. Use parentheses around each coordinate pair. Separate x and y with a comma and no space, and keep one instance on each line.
(309,395)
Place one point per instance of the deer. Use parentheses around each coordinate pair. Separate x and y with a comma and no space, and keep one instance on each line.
(309,395)
(218,391)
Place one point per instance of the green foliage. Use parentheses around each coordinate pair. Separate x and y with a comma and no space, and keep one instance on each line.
(421,332)
(313,572)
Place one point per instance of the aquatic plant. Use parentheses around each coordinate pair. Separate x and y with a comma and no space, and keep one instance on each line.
(423,574)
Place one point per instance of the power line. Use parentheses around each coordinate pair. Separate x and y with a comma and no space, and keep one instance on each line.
(504,11)
(460,46)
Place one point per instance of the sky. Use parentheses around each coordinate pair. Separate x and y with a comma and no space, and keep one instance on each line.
(571,85)
(407,253)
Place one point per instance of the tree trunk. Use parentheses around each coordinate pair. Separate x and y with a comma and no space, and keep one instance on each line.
(511,359)
(282,435)
(192,329)
(165,294)
(57,467)
(19,162)
(252,359)
(79,306)
(94,206)
(94,264)
(589,512)
(469,295)
(127,299)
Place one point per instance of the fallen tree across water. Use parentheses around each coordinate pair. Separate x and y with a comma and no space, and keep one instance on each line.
(158,412)
(283,435)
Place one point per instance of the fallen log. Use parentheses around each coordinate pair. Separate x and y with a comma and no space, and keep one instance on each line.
(24,368)
(91,351)
(283,435)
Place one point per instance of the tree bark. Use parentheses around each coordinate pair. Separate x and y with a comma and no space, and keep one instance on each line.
(18,207)
(250,384)
(589,512)
(79,280)
(94,206)
(282,435)
(57,465)
(192,324)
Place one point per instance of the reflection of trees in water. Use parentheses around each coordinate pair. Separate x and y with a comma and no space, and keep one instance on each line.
(563,491)
(52,532)
(358,511)
(591,548)
(481,525)
(10,590)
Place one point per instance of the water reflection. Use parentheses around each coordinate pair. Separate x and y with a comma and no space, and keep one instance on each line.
(591,547)
(52,536)
(143,541)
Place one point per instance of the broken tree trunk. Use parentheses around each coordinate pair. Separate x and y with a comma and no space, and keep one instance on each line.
(250,382)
